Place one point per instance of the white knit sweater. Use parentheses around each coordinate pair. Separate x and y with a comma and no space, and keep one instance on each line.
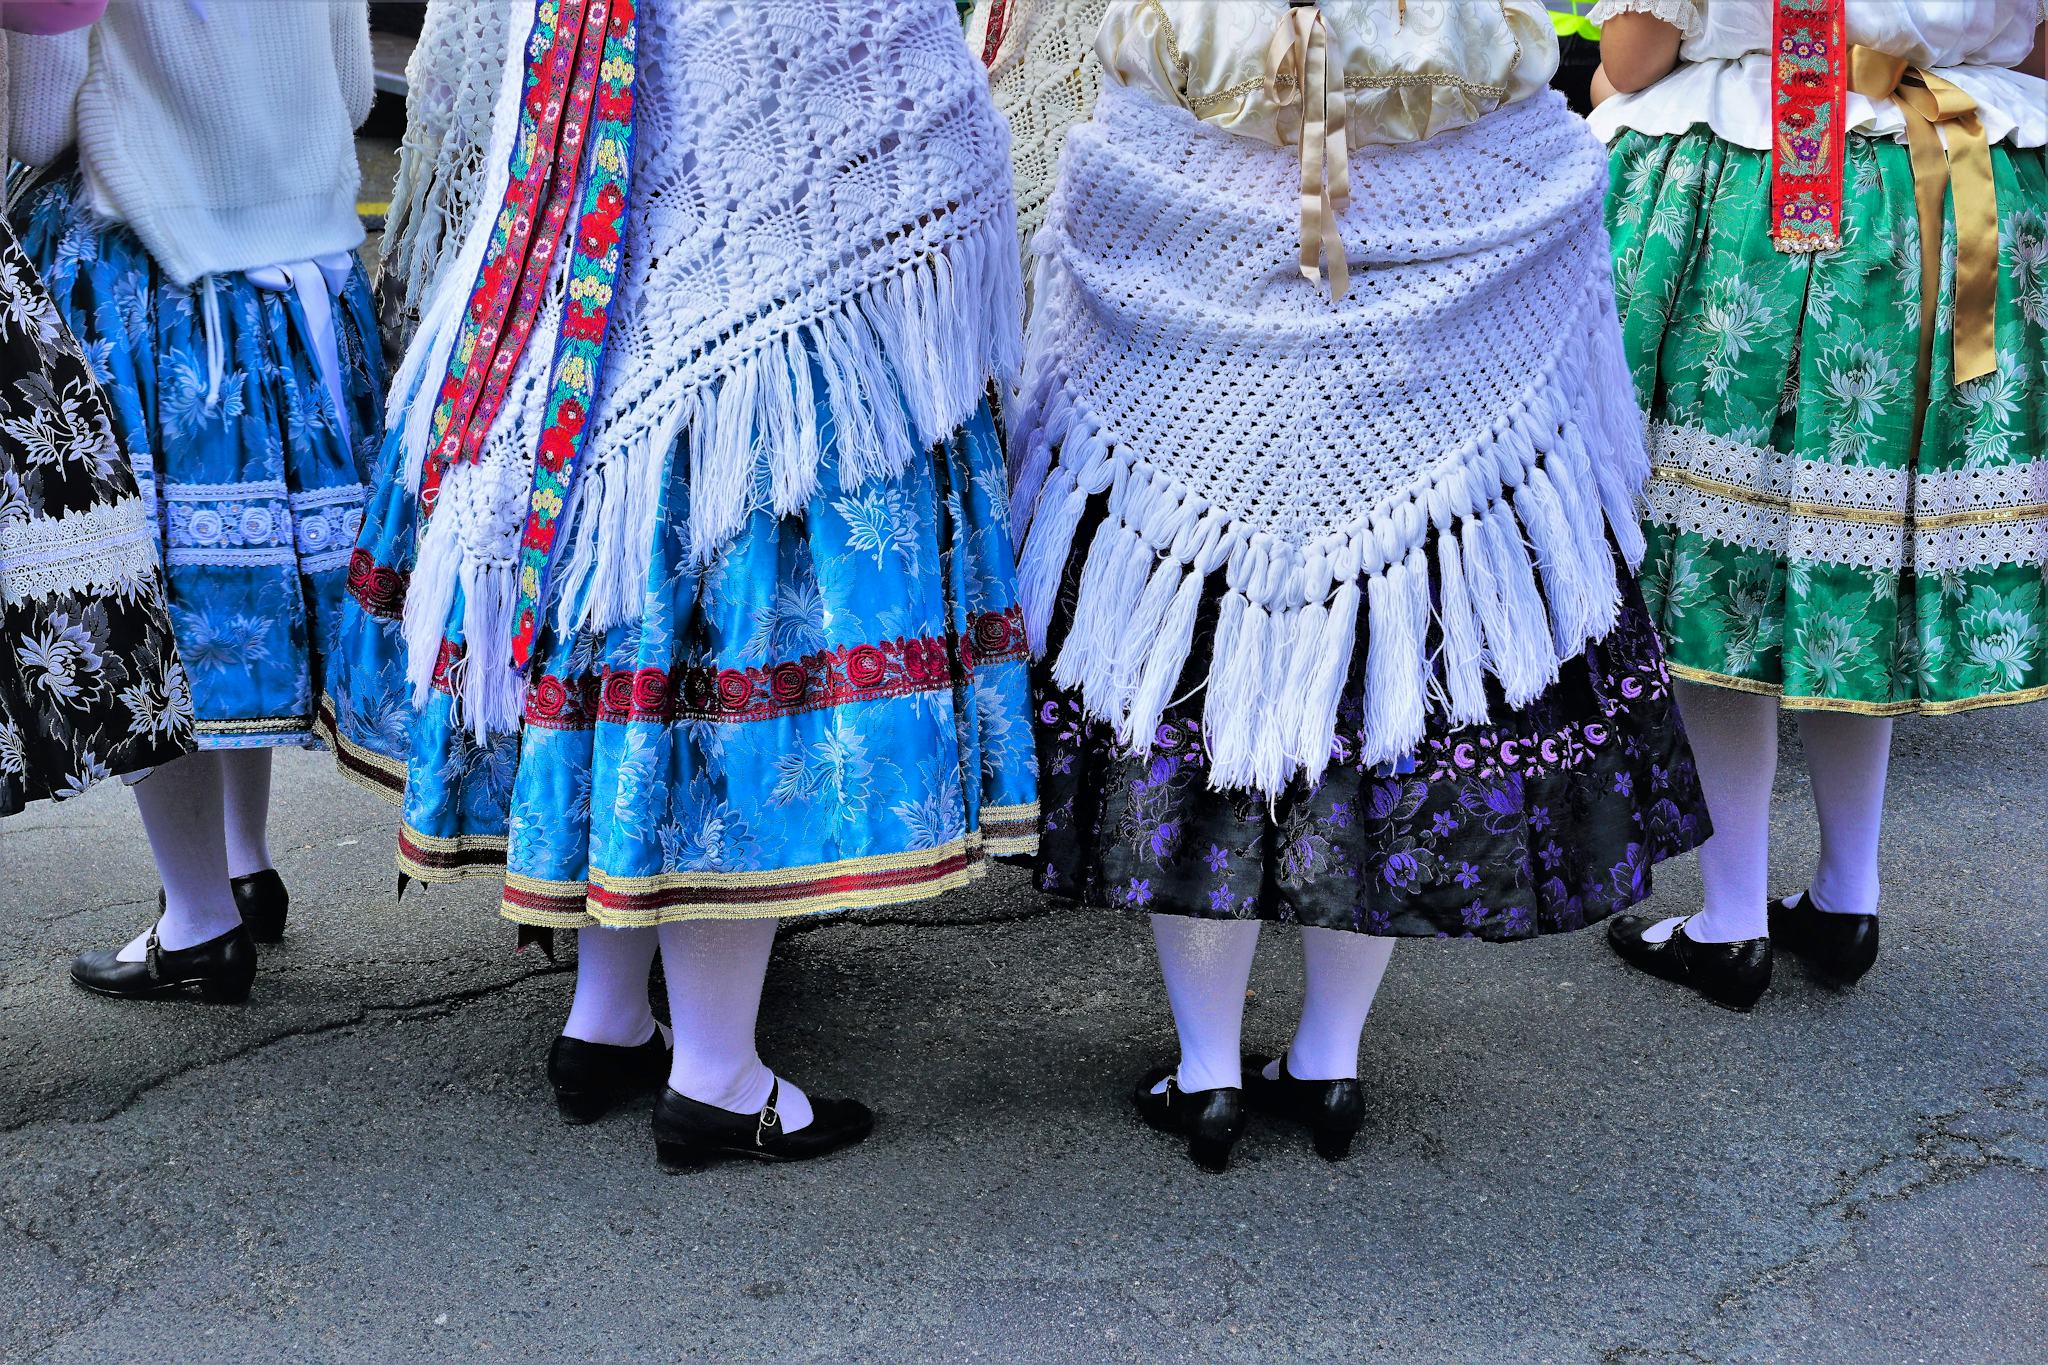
(221,132)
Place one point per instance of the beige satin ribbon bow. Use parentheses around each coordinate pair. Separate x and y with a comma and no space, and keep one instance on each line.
(1925,99)
(1298,73)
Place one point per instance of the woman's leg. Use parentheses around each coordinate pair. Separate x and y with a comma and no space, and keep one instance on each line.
(612,967)
(245,776)
(181,811)
(1847,757)
(1207,965)
(1735,743)
(715,971)
(1344,971)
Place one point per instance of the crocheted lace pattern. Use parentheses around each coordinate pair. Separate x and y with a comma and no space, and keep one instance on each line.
(451,91)
(1426,474)
(1046,77)
(820,263)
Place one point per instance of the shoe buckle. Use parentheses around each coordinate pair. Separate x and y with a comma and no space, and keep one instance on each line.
(771,1119)
(152,952)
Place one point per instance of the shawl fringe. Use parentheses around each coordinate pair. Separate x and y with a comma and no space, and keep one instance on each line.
(863,378)
(863,389)
(1507,553)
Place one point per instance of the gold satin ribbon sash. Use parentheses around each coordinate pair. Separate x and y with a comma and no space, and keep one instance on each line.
(1925,100)
(1298,73)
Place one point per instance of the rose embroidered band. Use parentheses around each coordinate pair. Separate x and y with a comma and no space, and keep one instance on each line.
(1815,69)
(575,131)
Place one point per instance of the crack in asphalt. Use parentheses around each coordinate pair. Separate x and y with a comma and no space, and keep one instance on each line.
(1939,1144)
(440,1006)
(431,1007)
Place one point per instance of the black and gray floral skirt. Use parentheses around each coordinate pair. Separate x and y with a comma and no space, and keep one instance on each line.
(1548,820)
(90,682)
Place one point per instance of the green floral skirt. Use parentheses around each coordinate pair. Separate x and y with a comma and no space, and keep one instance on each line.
(1798,544)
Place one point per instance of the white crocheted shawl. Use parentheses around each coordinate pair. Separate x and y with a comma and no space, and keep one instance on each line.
(1046,77)
(1439,448)
(818,180)
(451,90)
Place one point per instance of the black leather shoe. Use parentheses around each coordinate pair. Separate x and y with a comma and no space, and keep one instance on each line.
(222,969)
(1332,1110)
(592,1079)
(1838,949)
(1732,975)
(263,901)
(1211,1120)
(690,1133)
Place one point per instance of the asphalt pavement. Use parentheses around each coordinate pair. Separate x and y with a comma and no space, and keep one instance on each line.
(1562,1160)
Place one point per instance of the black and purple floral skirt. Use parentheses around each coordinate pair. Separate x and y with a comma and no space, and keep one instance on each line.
(1548,820)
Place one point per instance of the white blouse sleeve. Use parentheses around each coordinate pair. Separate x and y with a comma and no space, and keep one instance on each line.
(1682,15)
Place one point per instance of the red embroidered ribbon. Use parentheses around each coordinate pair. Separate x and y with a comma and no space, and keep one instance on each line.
(1809,123)
(998,24)
(572,155)
(505,300)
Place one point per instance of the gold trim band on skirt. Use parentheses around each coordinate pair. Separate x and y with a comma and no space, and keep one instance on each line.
(1849,705)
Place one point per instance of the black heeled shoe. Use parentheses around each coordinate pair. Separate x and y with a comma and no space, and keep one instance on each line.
(1732,975)
(264,902)
(222,970)
(690,1133)
(592,1079)
(1333,1111)
(1839,949)
(1211,1120)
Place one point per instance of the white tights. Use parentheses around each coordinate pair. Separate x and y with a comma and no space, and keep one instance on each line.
(715,971)
(1735,742)
(207,816)
(1207,965)
(611,1005)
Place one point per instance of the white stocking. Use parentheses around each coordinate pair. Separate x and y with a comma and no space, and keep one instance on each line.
(181,811)
(1735,742)
(612,967)
(245,774)
(715,971)
(1344,971)
(1207,965)
(1847,757)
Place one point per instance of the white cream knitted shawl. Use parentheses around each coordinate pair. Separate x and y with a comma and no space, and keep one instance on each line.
(1440,446)
(1046,77)
(451,90)
(813,180)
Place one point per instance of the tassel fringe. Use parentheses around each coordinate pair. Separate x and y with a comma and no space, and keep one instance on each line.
(900,367)
(1521,580)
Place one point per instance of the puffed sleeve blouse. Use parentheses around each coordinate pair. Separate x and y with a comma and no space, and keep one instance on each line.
(1410,68)
(1723,79)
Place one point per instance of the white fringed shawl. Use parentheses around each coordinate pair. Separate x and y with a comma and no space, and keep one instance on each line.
(1441,445)
(451,90)
(812,179)
(1046,77)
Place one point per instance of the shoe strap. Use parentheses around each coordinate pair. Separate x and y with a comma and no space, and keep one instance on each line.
(771,1117)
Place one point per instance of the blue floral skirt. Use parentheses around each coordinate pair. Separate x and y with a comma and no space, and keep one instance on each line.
(254,483)
(835,712)
(1548,819)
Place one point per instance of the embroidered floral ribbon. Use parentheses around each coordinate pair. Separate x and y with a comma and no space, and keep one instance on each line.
(1809,92)
(1298,72)
(1815,70)
(1925,100)
(563,52)
(586,319)
(575,129)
